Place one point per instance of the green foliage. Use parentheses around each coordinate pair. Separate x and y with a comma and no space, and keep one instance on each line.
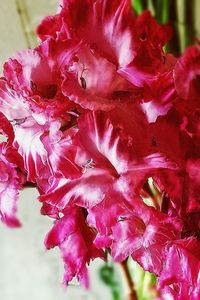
(138,6)
(162,11)
(108,276)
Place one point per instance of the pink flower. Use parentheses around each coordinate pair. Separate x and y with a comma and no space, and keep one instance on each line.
(143,234)
(187,74)
(116,35)
(149,58)
(94,83)
(112,168)
(112,34)
(75,240)
(34,104)
(90,116)
(181,270)
(36,76)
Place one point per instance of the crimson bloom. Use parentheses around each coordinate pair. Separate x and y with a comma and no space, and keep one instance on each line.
(91,116)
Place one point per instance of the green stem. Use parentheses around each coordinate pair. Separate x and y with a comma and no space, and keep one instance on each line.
(115,294)
(182,28)
(107,275)
(150,6)
(138,6)
(196,8)
(162,11)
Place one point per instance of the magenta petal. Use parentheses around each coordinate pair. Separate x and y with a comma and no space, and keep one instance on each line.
(75,240)
(10,177)
(29,144)
(143,235)
(61,156)
(94,83)
(181,269)
(187,74)
(61,230)
(49,27)
(12,104)
(9,190)
(159,97)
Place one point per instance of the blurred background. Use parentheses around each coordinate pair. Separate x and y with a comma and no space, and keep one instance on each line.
(27,270)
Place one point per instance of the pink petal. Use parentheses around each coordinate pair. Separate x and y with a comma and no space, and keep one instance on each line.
(75,240)
(187,74)
(111,34)
(94,83)
(28,142)
(182,268)
(159,98)
(9,189)
(143,235)
(12,104)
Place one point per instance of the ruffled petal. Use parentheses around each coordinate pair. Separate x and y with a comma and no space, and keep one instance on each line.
(181,269)
(187,74)
(94,83)
(9,191)
(28,142)
(75,240)
(143,235)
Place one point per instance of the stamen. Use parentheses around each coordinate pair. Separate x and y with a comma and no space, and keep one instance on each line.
(73,113)
(121,219)
(83,82)
(89,165)
(15,122)
(82,79)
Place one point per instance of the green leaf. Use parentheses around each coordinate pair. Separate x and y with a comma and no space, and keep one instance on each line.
(150,6)
(106,273)
(108,276)
(162,11)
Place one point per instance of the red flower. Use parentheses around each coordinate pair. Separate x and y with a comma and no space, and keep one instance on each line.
(111,34)
(149,58)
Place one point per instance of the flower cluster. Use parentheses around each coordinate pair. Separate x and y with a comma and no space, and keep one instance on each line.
(106,125)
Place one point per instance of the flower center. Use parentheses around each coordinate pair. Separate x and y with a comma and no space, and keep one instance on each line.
(89,165)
